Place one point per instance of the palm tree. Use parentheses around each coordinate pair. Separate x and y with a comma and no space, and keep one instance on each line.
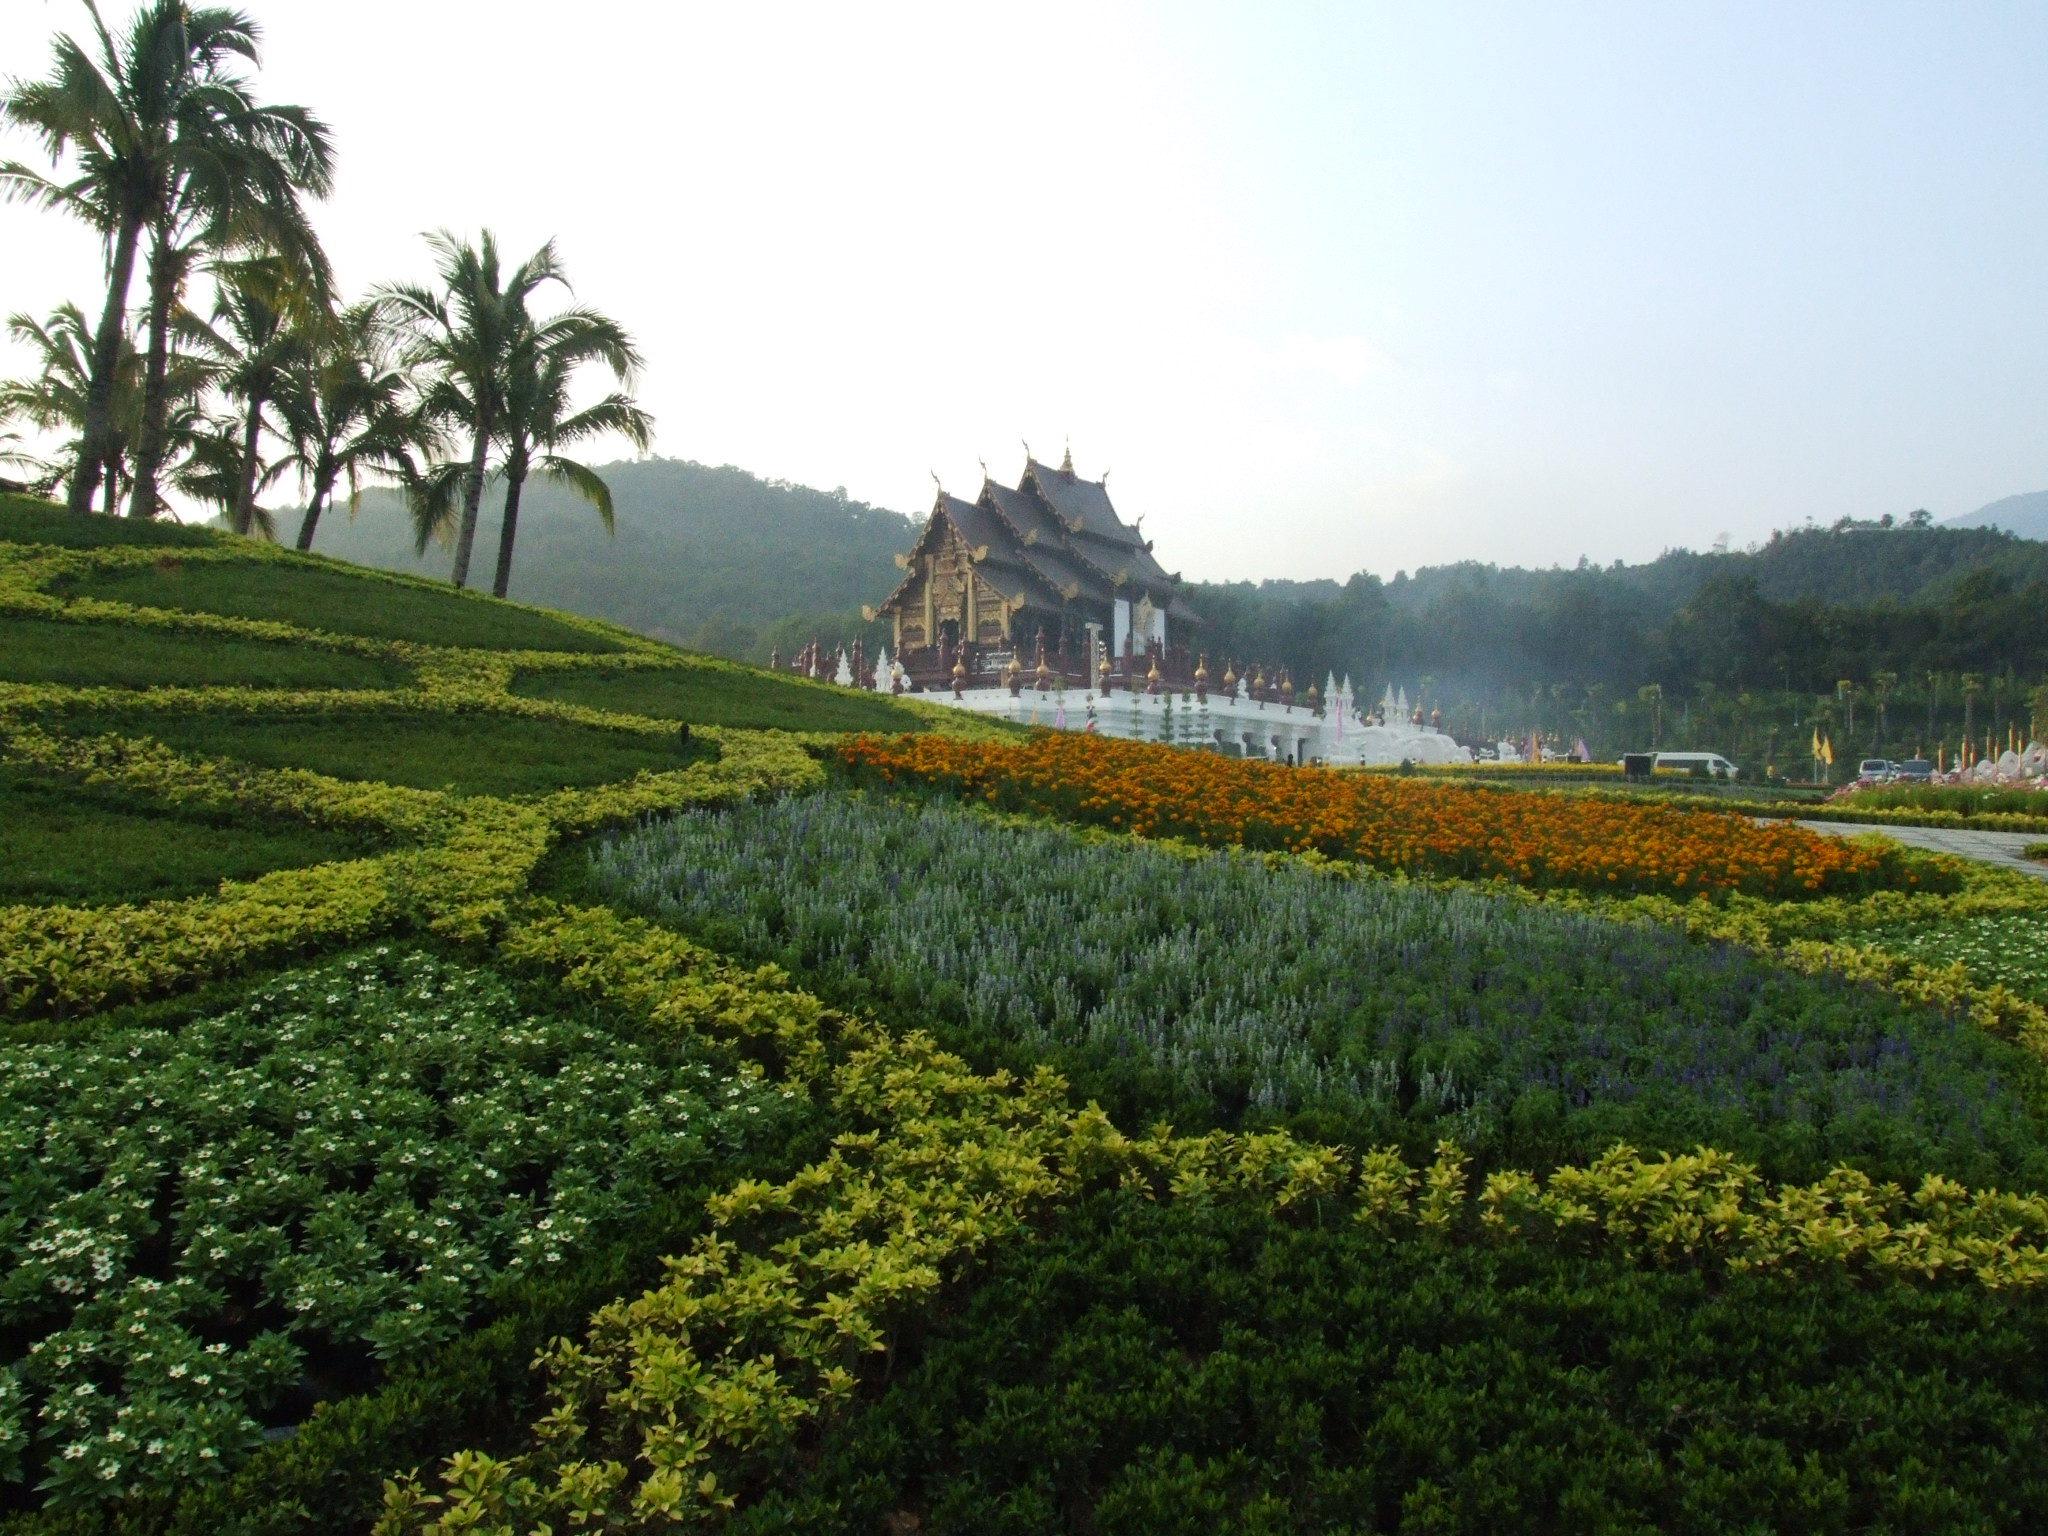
(265,324)
(345,406)
(161,138)
(212,471)
(461,338)
(56,400)
(538,420)
(237,204)
(1973,689)
(1881,686)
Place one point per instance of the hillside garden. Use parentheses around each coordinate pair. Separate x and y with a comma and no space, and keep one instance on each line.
(869,1124)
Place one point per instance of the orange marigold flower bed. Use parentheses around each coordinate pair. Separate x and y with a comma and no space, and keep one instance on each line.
(1389,823)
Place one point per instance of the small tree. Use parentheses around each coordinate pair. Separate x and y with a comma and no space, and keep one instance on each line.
(1652,694)
(460,337)
(162,138)
(539,421)
(348,412)
(1881,686)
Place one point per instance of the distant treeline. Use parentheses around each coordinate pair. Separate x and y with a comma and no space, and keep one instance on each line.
(1930,629)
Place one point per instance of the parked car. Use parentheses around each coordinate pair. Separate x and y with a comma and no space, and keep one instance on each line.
(1914,770)
(1712,764)
(1882,770)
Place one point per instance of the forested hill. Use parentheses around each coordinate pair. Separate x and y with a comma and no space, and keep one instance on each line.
(706,557)
(2025,515)
(1851,563)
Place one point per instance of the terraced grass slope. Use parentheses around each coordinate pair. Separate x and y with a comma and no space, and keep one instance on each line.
(220,649)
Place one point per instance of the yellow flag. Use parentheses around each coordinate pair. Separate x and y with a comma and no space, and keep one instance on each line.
(1816,741)
(1827,751)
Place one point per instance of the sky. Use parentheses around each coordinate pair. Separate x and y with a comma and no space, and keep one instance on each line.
(1323,287)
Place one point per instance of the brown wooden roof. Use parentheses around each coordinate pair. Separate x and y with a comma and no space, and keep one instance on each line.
(1057,540)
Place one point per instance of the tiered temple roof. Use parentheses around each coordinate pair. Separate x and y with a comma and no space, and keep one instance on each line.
(1051,551)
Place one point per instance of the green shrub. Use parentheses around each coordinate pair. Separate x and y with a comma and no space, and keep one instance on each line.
(204,1232)
(1198,1369)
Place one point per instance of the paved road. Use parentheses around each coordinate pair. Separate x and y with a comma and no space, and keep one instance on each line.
(2000,848)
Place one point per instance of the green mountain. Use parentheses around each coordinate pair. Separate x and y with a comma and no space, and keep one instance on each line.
(706,557)
(2025,515)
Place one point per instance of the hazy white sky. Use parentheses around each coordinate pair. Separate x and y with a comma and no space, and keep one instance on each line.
(1327,287)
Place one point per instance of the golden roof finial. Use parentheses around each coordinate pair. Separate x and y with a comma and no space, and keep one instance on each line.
(1202,668)
(1067,463)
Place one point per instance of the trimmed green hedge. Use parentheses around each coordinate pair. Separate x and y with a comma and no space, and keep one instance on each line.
(1187,1370)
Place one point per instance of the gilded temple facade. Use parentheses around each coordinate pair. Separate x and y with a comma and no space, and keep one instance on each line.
(1043,574)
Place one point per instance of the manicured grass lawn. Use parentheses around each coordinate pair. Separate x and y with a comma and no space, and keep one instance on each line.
(89,655)
(27,520)
(715,695)
(63,843)
(341,601)
(472,754)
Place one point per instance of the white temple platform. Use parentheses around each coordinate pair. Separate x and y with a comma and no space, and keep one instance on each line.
(1292,733)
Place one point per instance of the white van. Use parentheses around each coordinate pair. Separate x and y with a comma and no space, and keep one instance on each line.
(1716,766)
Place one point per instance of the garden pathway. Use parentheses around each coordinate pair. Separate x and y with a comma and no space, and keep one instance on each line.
(2000,848)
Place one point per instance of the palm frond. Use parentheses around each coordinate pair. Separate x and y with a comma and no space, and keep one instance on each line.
(580,478)
(435,501)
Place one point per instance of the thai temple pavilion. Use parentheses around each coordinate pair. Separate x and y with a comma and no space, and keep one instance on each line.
(1045,576)
(1041,606)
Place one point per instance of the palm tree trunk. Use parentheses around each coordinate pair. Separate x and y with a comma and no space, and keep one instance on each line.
(314,508)
(112,505)
(245,493)
(515,480)
(149,441)
(99,389)
(472,501)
